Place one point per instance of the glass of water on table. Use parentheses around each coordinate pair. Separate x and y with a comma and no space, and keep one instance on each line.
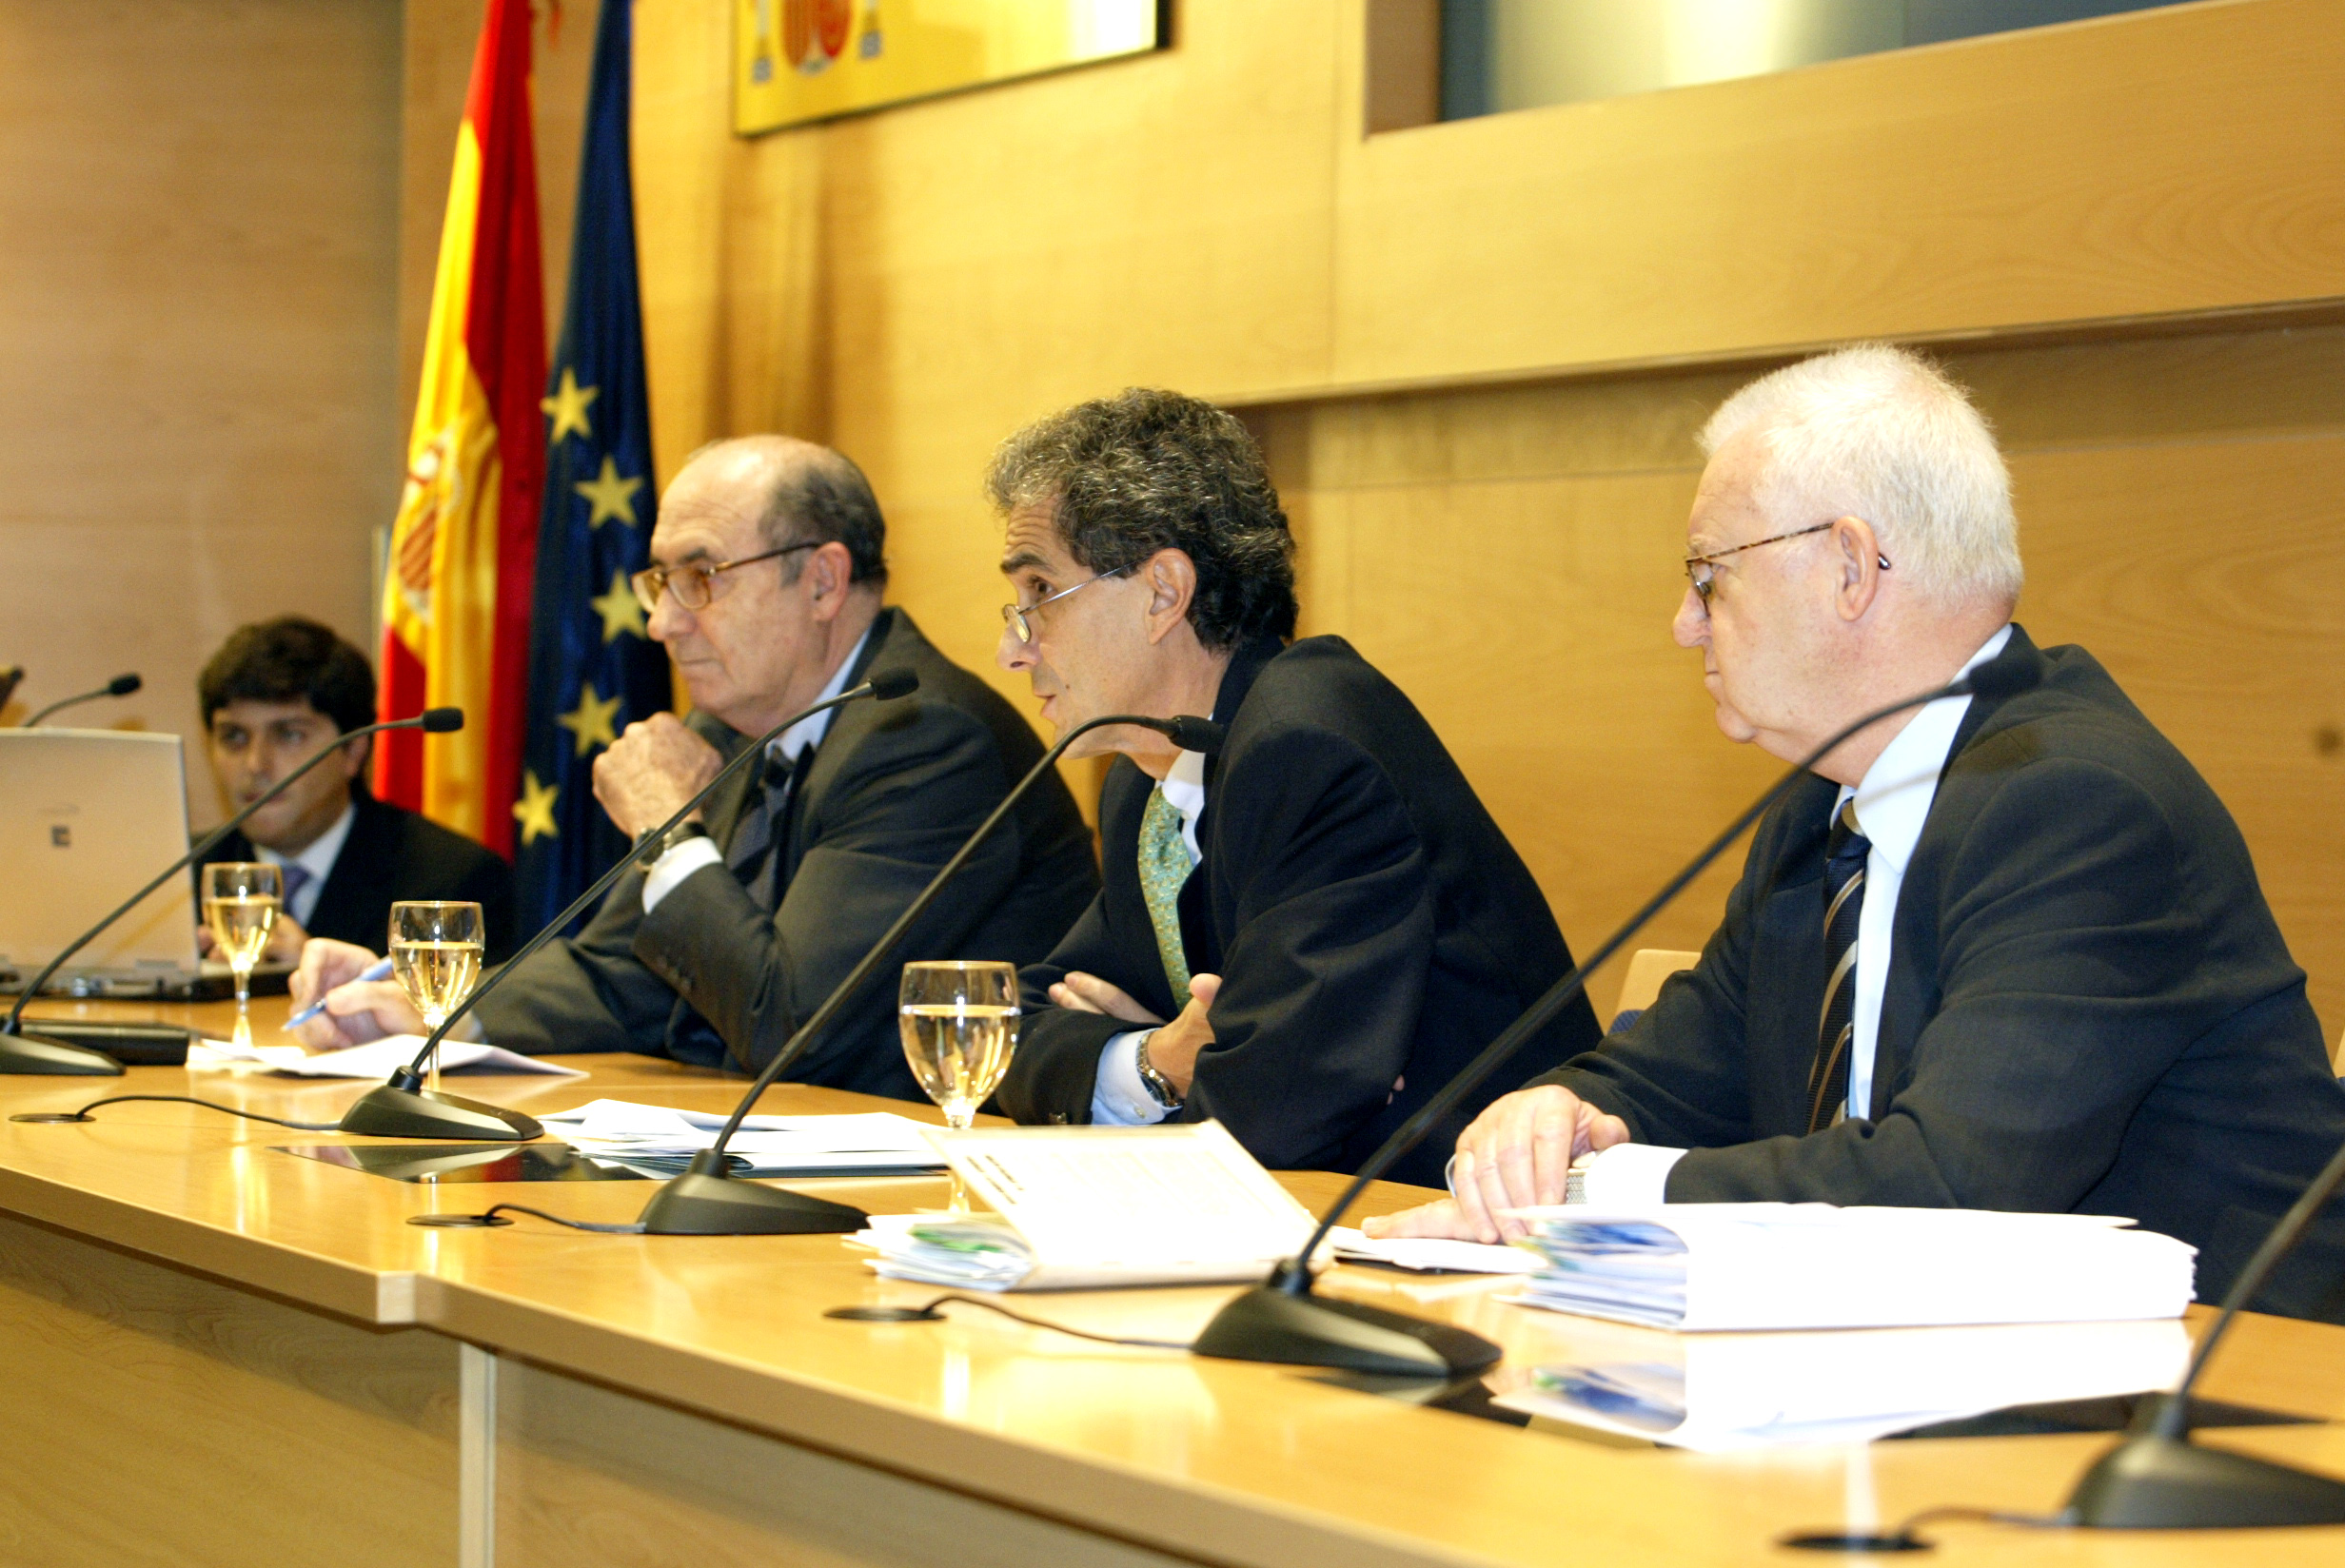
(435,957)
(959,1021)
(241,900)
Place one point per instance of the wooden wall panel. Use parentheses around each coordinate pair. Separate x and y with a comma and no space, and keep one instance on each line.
(201,205)
(2174,160)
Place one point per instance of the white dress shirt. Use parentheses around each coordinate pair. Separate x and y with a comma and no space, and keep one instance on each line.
(669,870)
(1118,1097)
(317,860)
(1893,801)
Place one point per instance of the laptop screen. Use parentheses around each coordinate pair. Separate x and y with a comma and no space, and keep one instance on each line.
(87,817)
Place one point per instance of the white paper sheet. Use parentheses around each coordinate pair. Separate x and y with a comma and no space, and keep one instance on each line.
(376,1059)
(664,1139)
(1097,1206)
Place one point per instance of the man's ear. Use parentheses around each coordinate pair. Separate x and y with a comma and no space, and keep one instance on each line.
(1171,578)
(832,569)
(1857,563)
(355,753)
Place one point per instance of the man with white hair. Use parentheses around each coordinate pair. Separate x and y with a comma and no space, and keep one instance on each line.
(1998,954)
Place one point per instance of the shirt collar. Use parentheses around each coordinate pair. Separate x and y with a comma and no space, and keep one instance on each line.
(1184,786)
(317,860)
(792,741)
(1893,799)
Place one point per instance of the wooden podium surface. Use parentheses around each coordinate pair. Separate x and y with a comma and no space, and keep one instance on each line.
(220,1353)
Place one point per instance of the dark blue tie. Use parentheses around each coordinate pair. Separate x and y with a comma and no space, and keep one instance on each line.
(1844,903)
(754,853)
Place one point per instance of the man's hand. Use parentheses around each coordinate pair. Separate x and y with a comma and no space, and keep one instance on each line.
(355,1012)
(651,770)
(1516,1155)
(1173,1049)
(286,940)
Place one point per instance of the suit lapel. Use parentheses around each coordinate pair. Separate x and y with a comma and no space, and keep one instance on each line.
(1909,990)
(892,636)
(363,864)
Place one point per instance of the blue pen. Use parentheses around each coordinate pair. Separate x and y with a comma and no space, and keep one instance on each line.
(378,969)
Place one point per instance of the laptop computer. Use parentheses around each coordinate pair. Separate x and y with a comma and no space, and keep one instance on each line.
(87,817)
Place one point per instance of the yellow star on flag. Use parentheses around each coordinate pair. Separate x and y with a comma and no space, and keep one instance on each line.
(611,495)
(620,610)
(591,721)
(534,810)
(568,406)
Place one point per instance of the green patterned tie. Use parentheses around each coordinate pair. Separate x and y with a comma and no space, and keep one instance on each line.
(1164,867)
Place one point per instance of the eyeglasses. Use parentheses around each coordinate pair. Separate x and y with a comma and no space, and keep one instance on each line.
(1700,569)
(694,583)
(1013,616)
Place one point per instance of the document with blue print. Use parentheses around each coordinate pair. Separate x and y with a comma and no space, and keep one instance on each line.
(1082,1207)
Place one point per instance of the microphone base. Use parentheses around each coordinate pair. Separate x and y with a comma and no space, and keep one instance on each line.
(704,1203)
(1283,1322)
(395,1111)
(2167,1483)
(39,1053)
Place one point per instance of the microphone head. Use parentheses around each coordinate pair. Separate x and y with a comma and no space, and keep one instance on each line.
(441,720)
(887,685)
(123,685)
(1192,734)
(2001,677)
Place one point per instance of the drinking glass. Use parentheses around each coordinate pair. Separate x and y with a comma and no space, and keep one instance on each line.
(435,957)
(959,1021)
(241,900)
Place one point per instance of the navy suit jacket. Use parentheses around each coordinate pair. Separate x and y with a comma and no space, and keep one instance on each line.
(2088,1006)
(892,792)
(1369,923)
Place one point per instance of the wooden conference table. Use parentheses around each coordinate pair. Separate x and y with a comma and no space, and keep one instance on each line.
(217,1353)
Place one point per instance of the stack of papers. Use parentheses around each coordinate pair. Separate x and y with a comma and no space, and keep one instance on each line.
(1097,1206)
(1813,1266)
(1432,1255)
(376,1059)
(659,1142)
(1724,1391)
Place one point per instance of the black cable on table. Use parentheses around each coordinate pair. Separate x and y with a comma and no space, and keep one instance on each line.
(928,1314)
(489,1216)
(83,1114)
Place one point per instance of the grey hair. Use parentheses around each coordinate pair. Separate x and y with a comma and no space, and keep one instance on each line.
(1883,434)
(817,494)
(1148,470)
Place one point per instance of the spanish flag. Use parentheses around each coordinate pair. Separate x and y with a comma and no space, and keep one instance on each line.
(456,590)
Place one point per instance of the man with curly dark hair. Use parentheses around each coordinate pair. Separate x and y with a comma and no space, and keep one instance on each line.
(1304,935)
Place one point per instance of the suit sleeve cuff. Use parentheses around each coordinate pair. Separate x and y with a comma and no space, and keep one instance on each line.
(1629,1176)
(1118,1097)
(677,864)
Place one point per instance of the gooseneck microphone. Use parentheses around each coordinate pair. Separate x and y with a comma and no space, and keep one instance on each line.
(119,686)
(2158,1480)
(21,1052)
(1282,1321)
(403,1107)
(706,1200)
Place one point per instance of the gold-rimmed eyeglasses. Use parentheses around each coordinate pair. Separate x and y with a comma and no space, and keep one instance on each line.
(1701,570)
(694,582)
(1013,616)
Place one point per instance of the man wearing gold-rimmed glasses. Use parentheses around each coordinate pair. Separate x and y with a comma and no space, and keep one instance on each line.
(766,589)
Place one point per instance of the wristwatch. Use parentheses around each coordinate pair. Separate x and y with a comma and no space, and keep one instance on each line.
(1159,1088)
(652,849)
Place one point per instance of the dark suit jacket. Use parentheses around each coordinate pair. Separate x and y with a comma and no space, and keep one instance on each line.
(893,791)
(391,854)
(1369,921)
(2088,1005)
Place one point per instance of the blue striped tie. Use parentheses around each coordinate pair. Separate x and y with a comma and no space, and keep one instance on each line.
(1844,893)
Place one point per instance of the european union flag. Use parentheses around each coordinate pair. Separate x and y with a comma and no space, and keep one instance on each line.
(593,667)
